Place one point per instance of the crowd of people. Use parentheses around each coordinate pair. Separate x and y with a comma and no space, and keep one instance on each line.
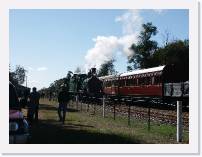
(33,104)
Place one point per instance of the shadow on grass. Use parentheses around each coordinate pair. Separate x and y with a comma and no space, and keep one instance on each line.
(52,132)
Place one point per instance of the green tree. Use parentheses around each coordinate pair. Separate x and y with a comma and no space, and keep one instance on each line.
(107,68)
(129,68)
(176,52)
(144,49)
(78,70)
(17,77)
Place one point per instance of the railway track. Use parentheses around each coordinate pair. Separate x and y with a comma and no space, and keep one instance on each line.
(164,116)
(157,115)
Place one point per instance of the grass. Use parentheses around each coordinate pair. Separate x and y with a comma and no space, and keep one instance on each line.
(86,128)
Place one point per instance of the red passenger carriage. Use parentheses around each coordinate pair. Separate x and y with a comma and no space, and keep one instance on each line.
(159,81)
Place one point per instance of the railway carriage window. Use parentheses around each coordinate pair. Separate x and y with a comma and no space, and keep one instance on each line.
(141,81)
(122,83)
(152,80)
(104,84)
(148,81)
(116,83)
(132,83)
(157,80)
(129,82)
(135,82)
(145,80)
(111,83)
(108,83)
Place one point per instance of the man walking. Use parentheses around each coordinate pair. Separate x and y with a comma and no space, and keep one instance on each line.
(63,99)
(33,105)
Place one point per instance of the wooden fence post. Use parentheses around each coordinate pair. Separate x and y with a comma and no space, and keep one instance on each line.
(114,111)
(103,106)
(87,106)
(129,114)
(179,121)
(81,105)
(77,102)
(94,103)
(149,117)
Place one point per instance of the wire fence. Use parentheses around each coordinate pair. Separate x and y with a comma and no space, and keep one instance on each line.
(128,110)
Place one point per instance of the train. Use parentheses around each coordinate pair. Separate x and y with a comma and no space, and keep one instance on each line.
(165,83)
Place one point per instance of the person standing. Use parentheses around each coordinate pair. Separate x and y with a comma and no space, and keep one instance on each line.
(33,105)
(63,99)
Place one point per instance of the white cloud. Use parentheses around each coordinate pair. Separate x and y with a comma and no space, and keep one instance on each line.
(33,81)
(42,68)
(30,68)
(106,47)
(159,11)
(131,21)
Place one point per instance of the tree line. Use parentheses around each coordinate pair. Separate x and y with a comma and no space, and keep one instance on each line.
(18,75)
(147,54)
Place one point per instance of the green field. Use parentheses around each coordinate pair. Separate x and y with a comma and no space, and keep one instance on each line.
(86,128)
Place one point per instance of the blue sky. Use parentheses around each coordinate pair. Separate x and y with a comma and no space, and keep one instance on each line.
(49,43)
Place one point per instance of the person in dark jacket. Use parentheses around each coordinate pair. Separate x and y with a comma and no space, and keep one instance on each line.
(63,99)
(33,107)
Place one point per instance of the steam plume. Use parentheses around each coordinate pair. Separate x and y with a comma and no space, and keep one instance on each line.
(106,47)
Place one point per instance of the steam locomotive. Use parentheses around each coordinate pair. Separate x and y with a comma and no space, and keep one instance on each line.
(86,84)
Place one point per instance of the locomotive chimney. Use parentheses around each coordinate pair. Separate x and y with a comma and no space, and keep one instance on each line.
(93,71)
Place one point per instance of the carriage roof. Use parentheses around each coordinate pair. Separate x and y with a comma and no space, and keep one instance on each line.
(107,77)
(143,71)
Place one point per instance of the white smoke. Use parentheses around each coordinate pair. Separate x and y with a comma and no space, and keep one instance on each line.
(106,47)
